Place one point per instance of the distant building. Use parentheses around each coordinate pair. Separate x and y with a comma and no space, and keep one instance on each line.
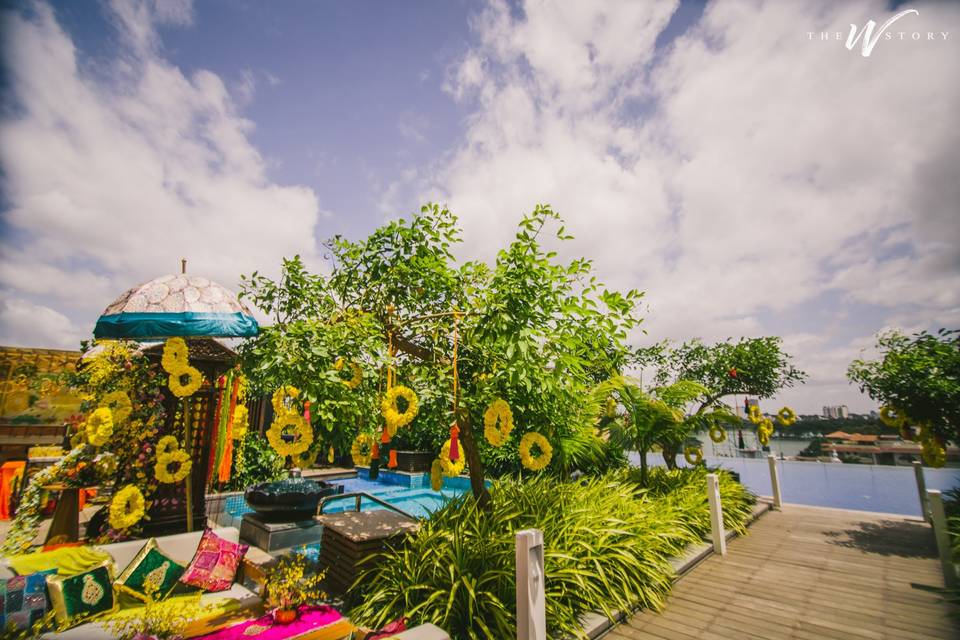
(836,411)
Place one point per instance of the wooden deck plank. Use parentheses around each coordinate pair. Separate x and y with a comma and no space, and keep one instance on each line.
(808,573)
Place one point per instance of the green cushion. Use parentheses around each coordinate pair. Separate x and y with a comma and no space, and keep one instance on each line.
(150,568)
(82,597)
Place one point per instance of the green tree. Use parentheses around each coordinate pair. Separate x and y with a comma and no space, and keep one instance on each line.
(528,328)
(919,375)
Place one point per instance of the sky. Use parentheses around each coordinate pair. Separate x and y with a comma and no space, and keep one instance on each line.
(752,176)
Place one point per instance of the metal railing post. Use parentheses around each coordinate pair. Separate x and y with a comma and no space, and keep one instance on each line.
(939,521)
(716,515)
(775,482)
(531,603)
(922,490)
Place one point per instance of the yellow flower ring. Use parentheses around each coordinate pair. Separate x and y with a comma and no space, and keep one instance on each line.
(451,468)
(497,422)
(162,468)
(787,416)
(755,415)
(119,403)
(357,378)
(280,396)
(764,431)
(391,412)
(126,508)
(717,433)
(306,460)
(527,443)
(303,435)
(891,417)
(175,354)
(933,454)
(436,475)
(362,449)
(693,455)
(100,426)
(183,389)
(167,444)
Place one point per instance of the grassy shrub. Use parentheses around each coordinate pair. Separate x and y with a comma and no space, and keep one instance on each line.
(607,546)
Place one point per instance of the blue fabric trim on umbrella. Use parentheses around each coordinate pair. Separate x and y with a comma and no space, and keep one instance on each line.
(141,326)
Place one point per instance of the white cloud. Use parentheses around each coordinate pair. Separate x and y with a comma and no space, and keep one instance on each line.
(24,324)
(113,177)
(738,175)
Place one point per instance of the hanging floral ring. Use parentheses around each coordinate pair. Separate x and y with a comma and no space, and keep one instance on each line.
(497,422)
(357,378)
(527,443)
(933,454)
(167,444)
(126,508)
(303,435)
(175,354)
(436,475)
(764,431)
(717,433)
(120,405)
(181,388)
(892,417)
(178,457)
(693,455)
(452,468)
(279,400)
(99,426)
(362,450)
(755,415)
(787,416)
(307,459)
(391,412)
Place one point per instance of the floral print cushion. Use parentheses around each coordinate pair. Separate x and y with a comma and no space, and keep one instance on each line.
(23,599)
(215,563)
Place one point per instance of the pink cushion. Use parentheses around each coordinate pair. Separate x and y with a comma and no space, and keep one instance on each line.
(215,563)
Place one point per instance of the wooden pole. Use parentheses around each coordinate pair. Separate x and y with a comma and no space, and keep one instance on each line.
(716,515)
(939,518)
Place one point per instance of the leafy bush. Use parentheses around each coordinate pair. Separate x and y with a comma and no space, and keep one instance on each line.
(607,545)
(254,461)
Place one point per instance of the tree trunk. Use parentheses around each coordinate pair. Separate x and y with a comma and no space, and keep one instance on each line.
(480,493)
(643,468)
(670,452)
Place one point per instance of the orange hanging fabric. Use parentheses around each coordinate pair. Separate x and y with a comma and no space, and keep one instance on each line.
(393,459)
(455,430)
(226,462)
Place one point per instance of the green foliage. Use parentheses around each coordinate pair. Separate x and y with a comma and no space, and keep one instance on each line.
(255,461)
(607,544)
(750,366)
(530,329)
(919,375)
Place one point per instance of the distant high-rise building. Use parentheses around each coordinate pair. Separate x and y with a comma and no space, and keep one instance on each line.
(836,411)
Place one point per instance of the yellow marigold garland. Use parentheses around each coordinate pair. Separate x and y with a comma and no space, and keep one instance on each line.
(452,468)
(305,460)
(693,455)
(357,377)
(717,433)
(497,422)
(436,475)
(120,405)
(391,413)
(162,469)
(304,435)
(755,415)
(891,417)
(931,451)
(99,426)
(185,389)
(362,449)
(787,416)
(175,354)
(279,398)
(527,442)
(241,420)
(764,431)
(126,508)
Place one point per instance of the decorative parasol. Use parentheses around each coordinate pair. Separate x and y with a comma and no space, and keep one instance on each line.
(176,305)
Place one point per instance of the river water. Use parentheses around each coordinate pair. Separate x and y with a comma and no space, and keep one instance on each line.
(787,447)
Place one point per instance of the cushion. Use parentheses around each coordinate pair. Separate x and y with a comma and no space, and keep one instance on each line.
(24,599)
(150,575)
(65,560)
(84,596)
(215,563)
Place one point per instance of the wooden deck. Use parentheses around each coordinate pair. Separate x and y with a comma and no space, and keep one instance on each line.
(810,573)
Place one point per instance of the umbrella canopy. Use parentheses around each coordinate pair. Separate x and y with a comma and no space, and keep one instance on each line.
(176,305)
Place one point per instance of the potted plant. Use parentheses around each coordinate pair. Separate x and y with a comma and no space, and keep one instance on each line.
(418,444)
(291,584)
